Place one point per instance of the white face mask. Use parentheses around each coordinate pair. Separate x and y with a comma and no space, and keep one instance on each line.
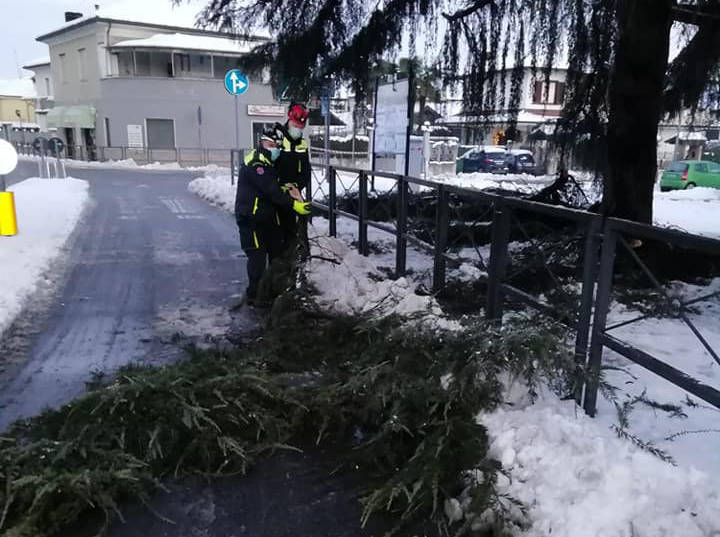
(295,132)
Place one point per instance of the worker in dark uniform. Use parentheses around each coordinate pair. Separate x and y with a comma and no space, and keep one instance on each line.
(293,167)
(257,202)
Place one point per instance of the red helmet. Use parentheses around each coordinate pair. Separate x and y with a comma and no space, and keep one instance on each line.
(298,113)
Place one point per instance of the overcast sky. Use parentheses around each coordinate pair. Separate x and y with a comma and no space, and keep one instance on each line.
(21,21)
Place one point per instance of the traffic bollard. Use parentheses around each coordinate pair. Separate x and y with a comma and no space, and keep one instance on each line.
(8,220)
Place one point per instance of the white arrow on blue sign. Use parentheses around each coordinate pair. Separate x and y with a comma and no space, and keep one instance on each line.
(236,82)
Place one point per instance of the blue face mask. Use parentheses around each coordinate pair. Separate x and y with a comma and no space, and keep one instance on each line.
(274,153)
(295,132)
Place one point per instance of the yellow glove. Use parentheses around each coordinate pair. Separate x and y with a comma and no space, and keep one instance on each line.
(303,208)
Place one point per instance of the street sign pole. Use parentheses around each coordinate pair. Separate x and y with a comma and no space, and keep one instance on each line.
(237,124)
(236,83)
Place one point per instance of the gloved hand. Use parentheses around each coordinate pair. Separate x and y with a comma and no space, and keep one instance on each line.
(303,208)
(287,187)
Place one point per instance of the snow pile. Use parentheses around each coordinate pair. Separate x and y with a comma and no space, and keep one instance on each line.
(348,283)
(694,194)
(579,480)
(47,212)
(216,189)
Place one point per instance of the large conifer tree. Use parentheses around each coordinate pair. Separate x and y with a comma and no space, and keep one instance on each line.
(619,85)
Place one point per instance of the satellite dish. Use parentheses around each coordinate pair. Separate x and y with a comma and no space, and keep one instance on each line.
(8,157)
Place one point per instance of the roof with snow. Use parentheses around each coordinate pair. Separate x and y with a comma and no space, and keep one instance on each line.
(83,21)
(205,43)
(17,87)
(37,63)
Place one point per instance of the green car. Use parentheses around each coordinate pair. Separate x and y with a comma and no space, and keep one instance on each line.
(689,174)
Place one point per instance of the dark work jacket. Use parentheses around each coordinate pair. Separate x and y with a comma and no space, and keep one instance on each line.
(258,193)
(294,161)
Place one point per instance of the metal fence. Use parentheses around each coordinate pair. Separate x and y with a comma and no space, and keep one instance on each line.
(450,223)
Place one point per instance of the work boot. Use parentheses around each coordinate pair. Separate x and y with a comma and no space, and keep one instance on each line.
(242,301)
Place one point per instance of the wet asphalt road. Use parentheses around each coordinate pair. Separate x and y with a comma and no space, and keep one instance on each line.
(149,261)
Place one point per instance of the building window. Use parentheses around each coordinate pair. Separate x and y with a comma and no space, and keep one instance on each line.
(551,93)
(142,63)
(182,62)
(48,91)
(193,65)
(82,68)
(61,68)
(223,64)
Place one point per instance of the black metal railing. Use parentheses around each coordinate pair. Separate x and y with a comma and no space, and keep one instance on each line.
(494,219)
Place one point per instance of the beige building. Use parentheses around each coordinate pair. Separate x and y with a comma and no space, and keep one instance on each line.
(17,109)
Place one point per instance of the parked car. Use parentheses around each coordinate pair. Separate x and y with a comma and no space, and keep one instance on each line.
(684,174)
(521,161)
(487,158)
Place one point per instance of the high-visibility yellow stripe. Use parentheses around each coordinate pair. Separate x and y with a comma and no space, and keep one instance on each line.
(299,166)
(253,157)
(255,205)
(257,243)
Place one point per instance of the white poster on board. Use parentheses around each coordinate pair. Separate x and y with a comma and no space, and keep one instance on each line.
(391,118)
(135,136)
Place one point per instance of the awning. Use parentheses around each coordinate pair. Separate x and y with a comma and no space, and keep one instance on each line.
(692,138)
(81,116)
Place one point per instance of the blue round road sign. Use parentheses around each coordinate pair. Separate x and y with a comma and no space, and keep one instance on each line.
(236,83)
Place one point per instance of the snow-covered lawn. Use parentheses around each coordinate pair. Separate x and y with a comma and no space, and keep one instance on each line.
(576,477)
(695,211)
(47,212)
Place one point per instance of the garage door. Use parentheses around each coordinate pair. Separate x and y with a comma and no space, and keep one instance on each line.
(161,133)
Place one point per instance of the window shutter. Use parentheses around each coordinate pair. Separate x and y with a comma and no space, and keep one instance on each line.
(559,92)
(537,97)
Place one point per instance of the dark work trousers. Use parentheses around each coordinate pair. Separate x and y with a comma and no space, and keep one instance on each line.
(260,241)
(288,225)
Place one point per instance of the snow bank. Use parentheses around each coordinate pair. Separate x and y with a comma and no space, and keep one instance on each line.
(578,479)
(694,194)
(47,212)
(349,283)
(132,164)
(215,189)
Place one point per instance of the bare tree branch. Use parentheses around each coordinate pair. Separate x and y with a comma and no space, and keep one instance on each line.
(469,10)
(695,14)
(689,72)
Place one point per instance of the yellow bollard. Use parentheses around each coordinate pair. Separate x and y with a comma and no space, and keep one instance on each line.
(8,220)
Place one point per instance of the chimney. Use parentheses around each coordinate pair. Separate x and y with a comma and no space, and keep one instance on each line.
(72,15)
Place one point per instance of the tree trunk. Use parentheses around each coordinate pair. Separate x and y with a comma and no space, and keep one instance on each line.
(421,114)
(636,93)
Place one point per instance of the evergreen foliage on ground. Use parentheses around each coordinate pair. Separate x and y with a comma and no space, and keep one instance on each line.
(399,402)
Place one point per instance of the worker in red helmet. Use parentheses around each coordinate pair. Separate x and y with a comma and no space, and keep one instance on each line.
(293,167)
